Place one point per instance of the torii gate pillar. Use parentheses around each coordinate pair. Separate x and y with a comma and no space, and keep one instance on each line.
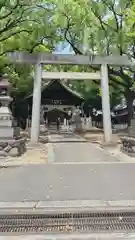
(106,104)
(35,126)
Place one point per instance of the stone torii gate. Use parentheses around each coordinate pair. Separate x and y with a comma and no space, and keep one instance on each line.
(39,59)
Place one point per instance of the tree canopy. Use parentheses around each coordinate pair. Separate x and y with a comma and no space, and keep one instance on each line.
(24,26)
(90,27)
(100,28)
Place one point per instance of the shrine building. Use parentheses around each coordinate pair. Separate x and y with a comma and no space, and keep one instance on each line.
(57,99)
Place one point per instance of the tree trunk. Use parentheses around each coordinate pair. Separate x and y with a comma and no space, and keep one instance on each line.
(129,99)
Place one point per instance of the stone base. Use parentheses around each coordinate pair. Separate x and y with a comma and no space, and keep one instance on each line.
(132,128)
(78,128)
(12,147)
(128,145)
(78,131)
(6,132)
(44,139)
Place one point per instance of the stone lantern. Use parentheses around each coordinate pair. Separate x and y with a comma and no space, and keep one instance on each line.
(6,129)
(10,144)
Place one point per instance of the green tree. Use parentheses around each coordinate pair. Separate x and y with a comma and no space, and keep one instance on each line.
(100,27)
(19,30)
(14,18)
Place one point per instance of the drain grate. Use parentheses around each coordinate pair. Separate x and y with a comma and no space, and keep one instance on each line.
(68,222)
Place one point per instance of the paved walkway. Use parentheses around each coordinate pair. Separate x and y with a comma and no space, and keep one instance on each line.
(60,182)
(72,148)
(92,178)
(89,174)
(80,152)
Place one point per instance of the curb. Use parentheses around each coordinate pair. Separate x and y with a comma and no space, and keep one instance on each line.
(80,236)
(66,141)
(51,155)
(11,165)
(67,206)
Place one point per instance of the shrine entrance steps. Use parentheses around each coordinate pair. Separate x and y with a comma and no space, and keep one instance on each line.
(63,129)
(64,134)
(64,137)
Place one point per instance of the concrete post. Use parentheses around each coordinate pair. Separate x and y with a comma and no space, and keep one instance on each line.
(35,126)
(106,104)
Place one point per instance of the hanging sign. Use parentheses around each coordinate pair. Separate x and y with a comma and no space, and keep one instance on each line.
(58,102)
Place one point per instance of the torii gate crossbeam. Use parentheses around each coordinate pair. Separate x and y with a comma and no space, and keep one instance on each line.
(71,75)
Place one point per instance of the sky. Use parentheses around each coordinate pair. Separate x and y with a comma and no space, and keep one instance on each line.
(61,50)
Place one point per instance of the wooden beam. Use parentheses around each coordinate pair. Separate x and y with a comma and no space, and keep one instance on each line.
(46,58)
(71,75)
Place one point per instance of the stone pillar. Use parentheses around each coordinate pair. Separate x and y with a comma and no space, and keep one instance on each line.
(106,104)
(35,126)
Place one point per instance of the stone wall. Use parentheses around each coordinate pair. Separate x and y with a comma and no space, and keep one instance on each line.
(12,148)
(128,145)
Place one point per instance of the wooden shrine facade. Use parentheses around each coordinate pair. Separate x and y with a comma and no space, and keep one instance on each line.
(57,99)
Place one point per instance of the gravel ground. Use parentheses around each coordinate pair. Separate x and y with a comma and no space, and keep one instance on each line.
(34,155)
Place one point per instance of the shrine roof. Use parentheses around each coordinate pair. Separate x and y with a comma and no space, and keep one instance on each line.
(48,85)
